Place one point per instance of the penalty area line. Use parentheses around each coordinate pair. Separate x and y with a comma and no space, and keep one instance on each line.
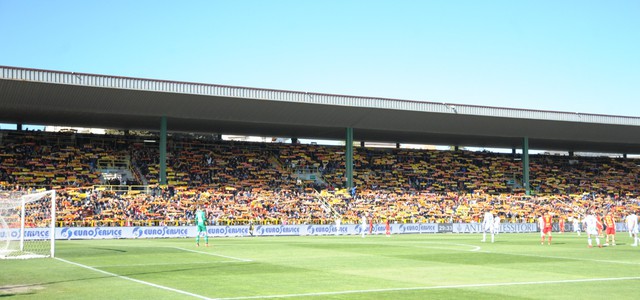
(213,254)
(461,286)
(135,280)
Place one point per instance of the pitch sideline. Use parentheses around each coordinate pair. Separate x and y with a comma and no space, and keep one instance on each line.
(136,280)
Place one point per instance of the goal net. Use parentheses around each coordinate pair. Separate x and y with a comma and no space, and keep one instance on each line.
(27,224)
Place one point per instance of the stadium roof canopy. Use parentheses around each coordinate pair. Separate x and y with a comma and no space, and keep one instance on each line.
(30,96)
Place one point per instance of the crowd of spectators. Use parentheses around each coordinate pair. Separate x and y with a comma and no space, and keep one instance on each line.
(242,182)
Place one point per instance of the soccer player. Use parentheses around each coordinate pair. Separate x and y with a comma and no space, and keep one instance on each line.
(364,224)
(541,226)
(547,224)
(632,226)
(610,222)
(487,225)
(599,225)
(387,228)
(496,224)
(591,224)
(201,222)
(561,225)
(576,225)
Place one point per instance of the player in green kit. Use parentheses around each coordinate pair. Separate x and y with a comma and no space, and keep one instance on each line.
(201,222)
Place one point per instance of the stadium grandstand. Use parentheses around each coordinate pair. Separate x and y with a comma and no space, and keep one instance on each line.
(180,160)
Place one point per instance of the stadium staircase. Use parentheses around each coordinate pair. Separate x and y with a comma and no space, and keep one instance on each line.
(117,168)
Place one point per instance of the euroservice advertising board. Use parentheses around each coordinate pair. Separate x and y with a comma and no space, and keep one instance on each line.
(77,233)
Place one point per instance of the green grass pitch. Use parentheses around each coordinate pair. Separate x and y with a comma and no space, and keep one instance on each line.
(418,266)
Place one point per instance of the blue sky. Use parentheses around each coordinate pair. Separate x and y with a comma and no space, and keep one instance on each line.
(577,56)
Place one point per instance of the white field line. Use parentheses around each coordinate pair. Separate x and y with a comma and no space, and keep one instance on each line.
(213,254)
(135,280)
(461,286)
(474,248)
(170,264)
(568,258)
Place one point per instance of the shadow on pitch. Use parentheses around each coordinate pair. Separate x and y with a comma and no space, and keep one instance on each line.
(109,249)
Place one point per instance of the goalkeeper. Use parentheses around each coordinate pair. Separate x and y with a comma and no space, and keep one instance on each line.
(201,223)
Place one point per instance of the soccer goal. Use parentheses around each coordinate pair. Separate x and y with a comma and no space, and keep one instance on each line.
(27,224)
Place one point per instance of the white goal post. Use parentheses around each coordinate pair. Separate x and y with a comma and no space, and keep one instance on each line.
(27,224)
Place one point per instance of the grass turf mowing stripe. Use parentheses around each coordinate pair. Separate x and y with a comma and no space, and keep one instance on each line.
(135,280)
(461,286)
(213,254)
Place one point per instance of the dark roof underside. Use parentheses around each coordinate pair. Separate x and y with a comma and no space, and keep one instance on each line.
(29,102)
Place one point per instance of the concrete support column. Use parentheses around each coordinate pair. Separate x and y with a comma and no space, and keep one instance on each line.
(525,165)
(349,158)
(163,150)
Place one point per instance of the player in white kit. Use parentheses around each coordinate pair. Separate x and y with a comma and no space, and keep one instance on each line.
(487,226)
(496,224)
(541,225)
(364,224)
(591,224)
(632,226)
(576,225)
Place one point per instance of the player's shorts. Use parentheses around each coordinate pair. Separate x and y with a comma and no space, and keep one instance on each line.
(202,228)
(546,230)
(633,229)
(611,230)
(592,230)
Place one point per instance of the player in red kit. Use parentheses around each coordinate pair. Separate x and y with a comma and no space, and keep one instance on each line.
(387,228)
(561,225)
(610,223)
(547,223)
(599,225)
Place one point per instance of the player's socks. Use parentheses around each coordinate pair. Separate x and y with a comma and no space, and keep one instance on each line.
(198,240)
(484,237)
(206,239)
(590,243)
(492,238)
